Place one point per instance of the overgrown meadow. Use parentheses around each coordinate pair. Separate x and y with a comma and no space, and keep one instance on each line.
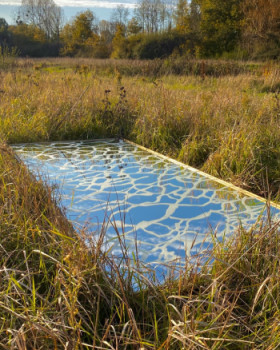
(221,117)
(57,292)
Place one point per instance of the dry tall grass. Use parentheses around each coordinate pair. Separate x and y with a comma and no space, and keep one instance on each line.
(228,125)
(60,290)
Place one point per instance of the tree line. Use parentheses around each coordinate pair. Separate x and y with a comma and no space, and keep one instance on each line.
(157,28)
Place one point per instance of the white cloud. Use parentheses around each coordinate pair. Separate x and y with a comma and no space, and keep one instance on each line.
(10,2)
(81,3)
(94,3)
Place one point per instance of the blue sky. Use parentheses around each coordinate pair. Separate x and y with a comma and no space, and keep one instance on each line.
(103,9)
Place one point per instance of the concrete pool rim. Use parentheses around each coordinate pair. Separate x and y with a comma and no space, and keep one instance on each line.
(210,177)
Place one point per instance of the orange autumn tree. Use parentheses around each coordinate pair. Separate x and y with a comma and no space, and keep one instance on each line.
(261,29)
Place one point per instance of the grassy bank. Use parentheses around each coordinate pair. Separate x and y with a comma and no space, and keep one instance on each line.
(148,68)
(220,117)
(58,289)
(57,292)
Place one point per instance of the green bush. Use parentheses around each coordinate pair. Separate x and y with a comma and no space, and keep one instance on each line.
(158,45)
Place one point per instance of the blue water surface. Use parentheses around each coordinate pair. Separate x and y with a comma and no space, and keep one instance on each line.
(170,210)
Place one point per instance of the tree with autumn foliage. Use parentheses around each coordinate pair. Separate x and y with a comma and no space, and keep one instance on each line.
(80,36)
(43,14)
(199,28)
(261,27)
(221,23)
(31,40)
(181,17)
(4,33)
(119,42)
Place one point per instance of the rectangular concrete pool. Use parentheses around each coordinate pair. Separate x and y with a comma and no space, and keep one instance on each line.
(164,204)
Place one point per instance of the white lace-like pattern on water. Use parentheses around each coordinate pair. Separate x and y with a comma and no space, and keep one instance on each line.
(162,205)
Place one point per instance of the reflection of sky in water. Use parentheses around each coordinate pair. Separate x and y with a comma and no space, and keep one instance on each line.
(164,205)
